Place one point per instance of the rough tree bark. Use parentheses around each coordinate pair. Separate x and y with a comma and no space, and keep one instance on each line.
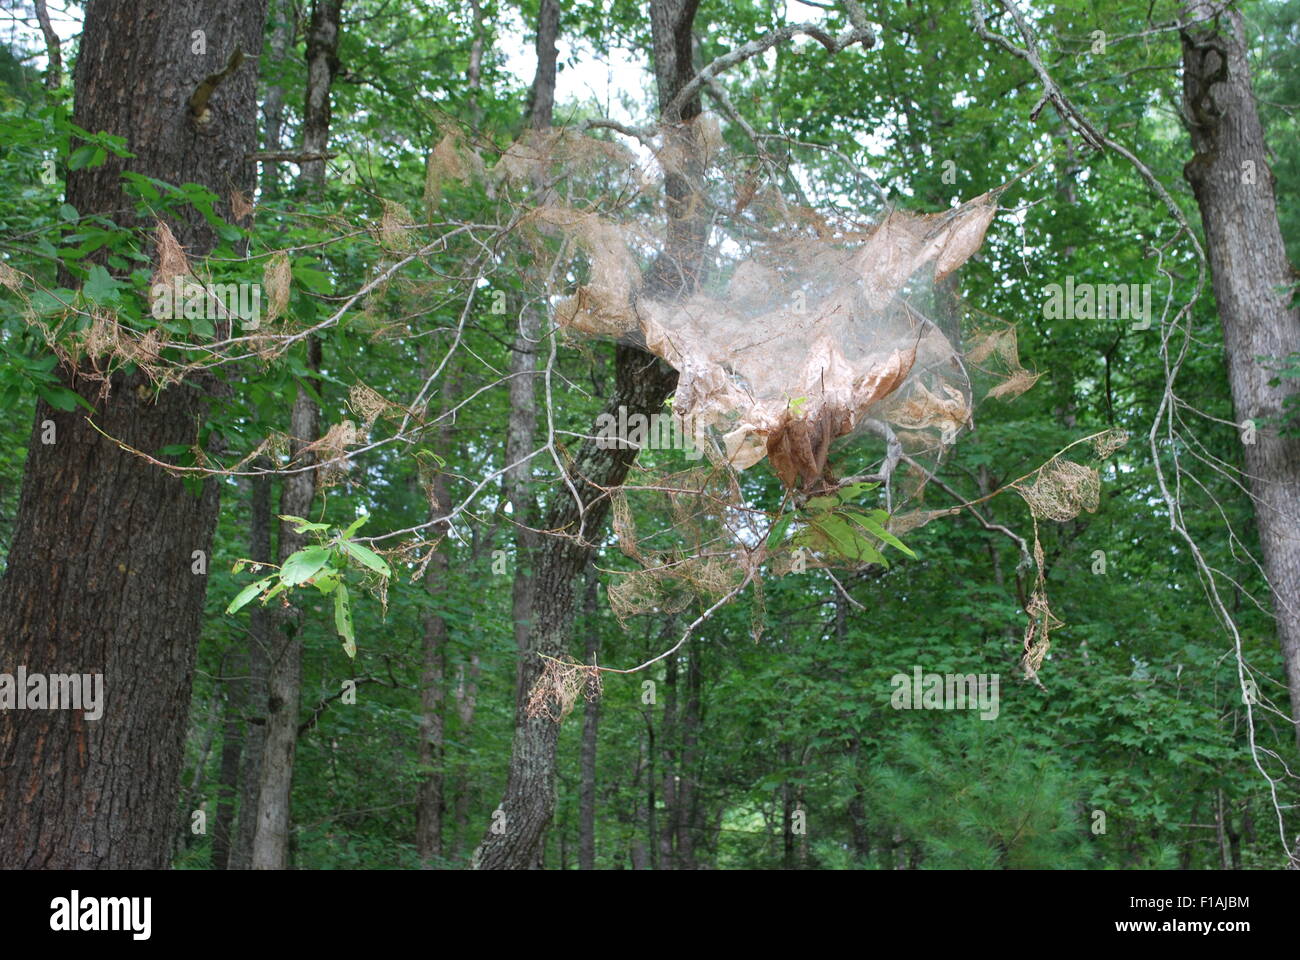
(1234,190)
(100,576)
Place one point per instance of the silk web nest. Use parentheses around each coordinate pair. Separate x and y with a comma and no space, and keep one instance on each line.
(801,331)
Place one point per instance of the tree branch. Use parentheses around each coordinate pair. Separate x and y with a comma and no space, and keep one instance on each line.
(860,32)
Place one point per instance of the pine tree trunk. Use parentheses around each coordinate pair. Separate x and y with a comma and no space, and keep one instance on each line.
(100,575)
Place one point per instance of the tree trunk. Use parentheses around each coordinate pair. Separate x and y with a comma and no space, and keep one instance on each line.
(590,729)
(430,801)
(100,575)
(669,750)
(282,17)
(253,699)
(53,49)
(232,743)
(1234,190)
(298,491)
(541,96)
(522,427)
(687,811)
(322,67)
(642,385)
(284,675)
(183,827)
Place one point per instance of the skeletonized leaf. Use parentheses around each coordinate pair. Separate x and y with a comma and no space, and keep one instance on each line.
(343,620)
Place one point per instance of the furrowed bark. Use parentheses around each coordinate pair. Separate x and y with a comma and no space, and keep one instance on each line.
(100,574)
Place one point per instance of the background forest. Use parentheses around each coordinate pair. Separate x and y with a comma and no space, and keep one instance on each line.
(382,222)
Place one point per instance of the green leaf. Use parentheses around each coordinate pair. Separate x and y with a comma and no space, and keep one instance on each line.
(343,620)
(302,566)
(303,525)
(326,583)
(835,535)
(81,157)
(355,525)
(874,527)
(100,287)
(314,280)
(247,594)
(854,490)
(821,504)
(367,556)
(60,398)
(777,533)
